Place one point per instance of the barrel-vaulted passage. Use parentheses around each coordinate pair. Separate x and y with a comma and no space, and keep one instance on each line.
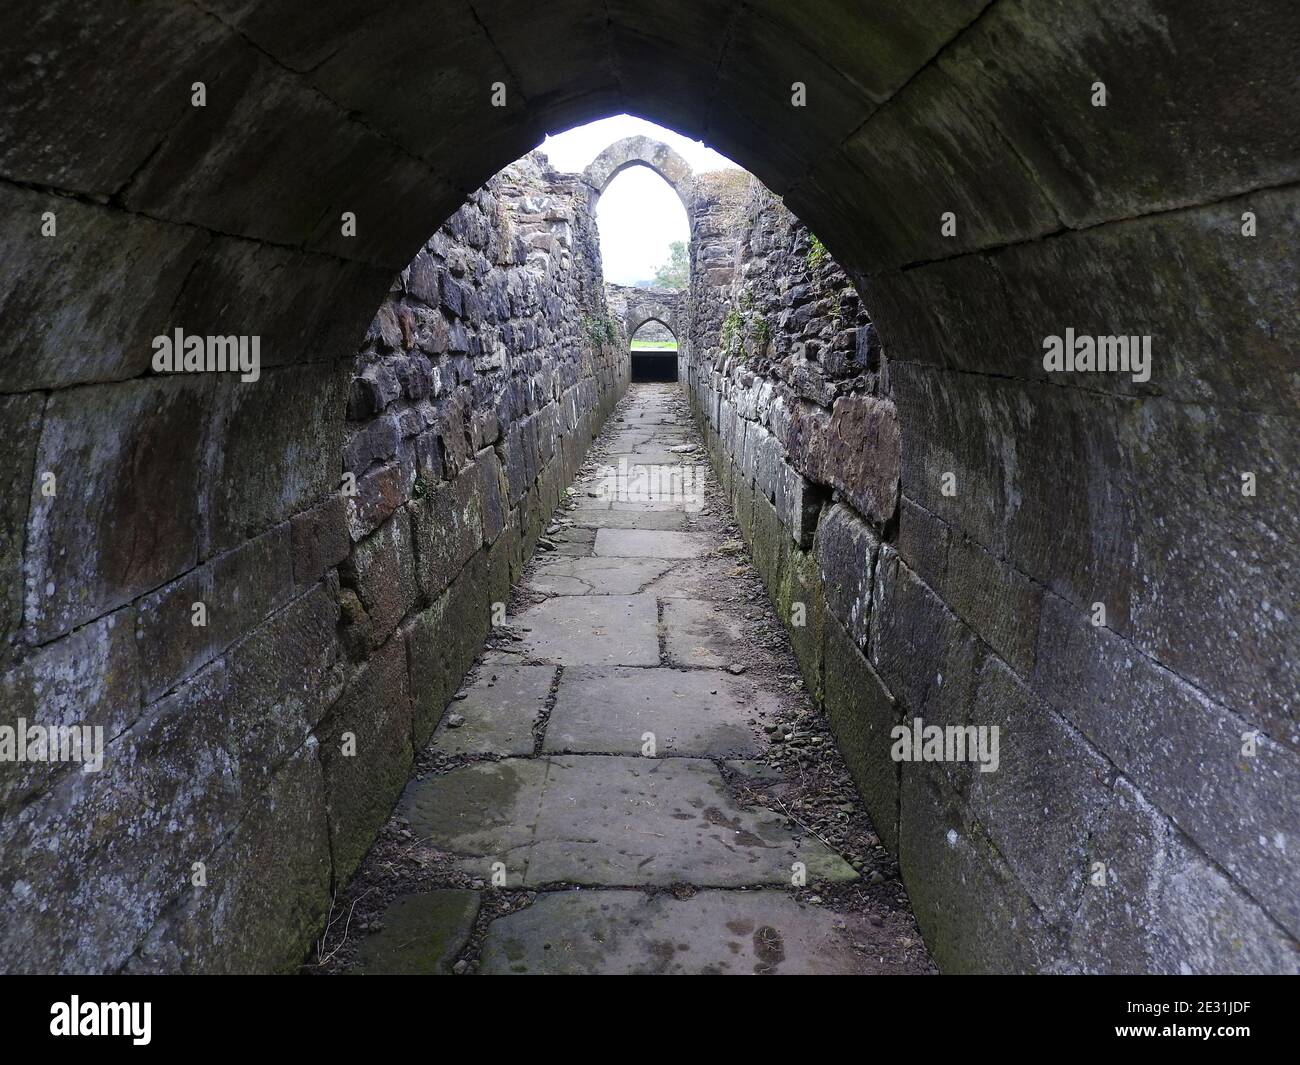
(1000,178)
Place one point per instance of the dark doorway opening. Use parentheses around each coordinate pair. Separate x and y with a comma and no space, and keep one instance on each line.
(654,352)
(654,366)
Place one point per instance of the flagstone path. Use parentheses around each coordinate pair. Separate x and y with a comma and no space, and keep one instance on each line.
(632,780)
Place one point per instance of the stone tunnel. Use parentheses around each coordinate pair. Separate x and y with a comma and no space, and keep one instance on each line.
(992,359)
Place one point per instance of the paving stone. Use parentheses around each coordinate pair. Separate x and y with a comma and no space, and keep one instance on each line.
(422,934)
(622,519)
(701,633)
(712,577)
(597,630)
(648,454)
(498,713)
(714,932)
(696,712)
(596,576)
(638,543)
(608,820)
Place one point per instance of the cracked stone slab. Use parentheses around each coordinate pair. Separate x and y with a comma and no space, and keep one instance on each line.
(712,577)
(622,519)
(596,630)
(502,707)
(696,712)
(701,633)
(596,576)
(609,820)
(713,932)
(573,541)
(648,455)
(642,543)
(422,934)
(640,501)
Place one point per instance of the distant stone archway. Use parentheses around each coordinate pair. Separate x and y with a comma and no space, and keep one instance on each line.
(641,151)
(636,306)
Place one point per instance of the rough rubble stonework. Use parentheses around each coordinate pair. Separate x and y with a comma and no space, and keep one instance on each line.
(487,370)
(831,443)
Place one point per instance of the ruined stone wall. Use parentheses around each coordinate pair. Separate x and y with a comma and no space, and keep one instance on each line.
(896,503)
(346,521)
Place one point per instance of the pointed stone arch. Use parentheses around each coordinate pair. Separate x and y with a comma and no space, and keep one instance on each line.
(642,151)
(636,306)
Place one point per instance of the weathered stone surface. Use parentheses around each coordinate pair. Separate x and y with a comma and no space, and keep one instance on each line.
(77,316)
(379,493)
(1090,494)
(119,890)
(156,477)
(698,633)
(1151,166)
(448,529)
(713,932)
(638,543)
(251,924)
(382,572)
(225,294)
(922,651)
(605,630)
(990,190)
(366,750)
(90,677)
(670,520)
(643,151)
(422,934)
(798,503)
(126,519)
(319,540)
(923,542)
(118,845)
(1042,802)
(597,576)
(695,712)
(442,641)
(968,903)
(862,713)
(846,555)
(21,417)
(236,591)
(529,813)
(862,456)
(498,712)
(997,601)
(126,63)
(280,446)
(288,130)
(1163,908)
(1241,810)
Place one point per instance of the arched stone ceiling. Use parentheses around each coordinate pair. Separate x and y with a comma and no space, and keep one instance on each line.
(978,107)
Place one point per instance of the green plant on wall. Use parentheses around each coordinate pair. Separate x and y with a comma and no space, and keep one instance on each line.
(816,253)
(600,329)
(762,334)
(731,338)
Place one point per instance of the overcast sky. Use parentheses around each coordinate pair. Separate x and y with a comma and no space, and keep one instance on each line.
(639,215)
